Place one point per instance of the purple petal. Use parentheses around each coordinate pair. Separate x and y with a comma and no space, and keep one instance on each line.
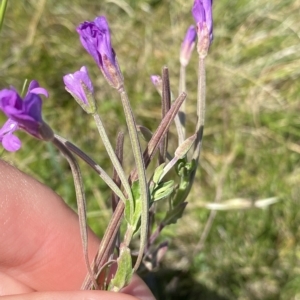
(32,85)
(202,12)
(198,12)
(88,37)
(10,98)
(32,107)
(40,91)
(104,45)
(9,141)
(35,88)
(156,79)
(187,45)
(95,38)
(74,81)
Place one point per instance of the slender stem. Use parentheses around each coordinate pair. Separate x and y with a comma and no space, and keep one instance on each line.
(112,155)
(114,197)
(137,152)
(107,243)
(166,104)
(179,130)
(81,202)
(182,88)
(200,108)
(94,166)
(119,153)
(2,12)
(201,94)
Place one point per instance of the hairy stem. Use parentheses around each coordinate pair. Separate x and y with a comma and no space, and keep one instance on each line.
(114,159)
(81,202)
(137,153)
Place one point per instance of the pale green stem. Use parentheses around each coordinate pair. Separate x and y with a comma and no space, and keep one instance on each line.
(81,202)
(168,167)
(182,112)
(2,12)
(106,178)
(200,108)
(139,161)
(114,159)
(179,130)
(200,122)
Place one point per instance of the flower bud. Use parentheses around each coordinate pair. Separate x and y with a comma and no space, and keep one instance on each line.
(188,45)
(80,86)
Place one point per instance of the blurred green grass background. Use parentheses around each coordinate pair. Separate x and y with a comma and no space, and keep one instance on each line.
(251,147)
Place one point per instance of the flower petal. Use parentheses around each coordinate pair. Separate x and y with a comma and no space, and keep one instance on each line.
(11,143)
(35,88)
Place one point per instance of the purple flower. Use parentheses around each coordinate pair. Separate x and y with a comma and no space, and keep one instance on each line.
(157,82)
(187,45)
(23,114)
(27,112)
(95,38)
(202,13)
(76,82)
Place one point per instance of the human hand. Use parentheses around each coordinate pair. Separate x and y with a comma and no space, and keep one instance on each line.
(41,255)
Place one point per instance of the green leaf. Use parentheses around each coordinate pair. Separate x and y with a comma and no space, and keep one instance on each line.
(137,214)
(157,173)
(137,205)
(127,212)
(124,271)
(133,219)
(135,188)
(174,214)
(162,190)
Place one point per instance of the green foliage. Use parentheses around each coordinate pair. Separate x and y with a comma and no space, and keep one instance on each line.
(162,190)
(251,140)
(124,271)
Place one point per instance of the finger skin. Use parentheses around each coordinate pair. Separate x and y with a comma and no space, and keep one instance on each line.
(79,295)
(9,285)
(40,245)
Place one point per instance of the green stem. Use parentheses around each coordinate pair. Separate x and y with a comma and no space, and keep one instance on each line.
(201,94)
(114,159)
(201,107)
(81,202)
(2,12)
(139,161)
(94,166)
